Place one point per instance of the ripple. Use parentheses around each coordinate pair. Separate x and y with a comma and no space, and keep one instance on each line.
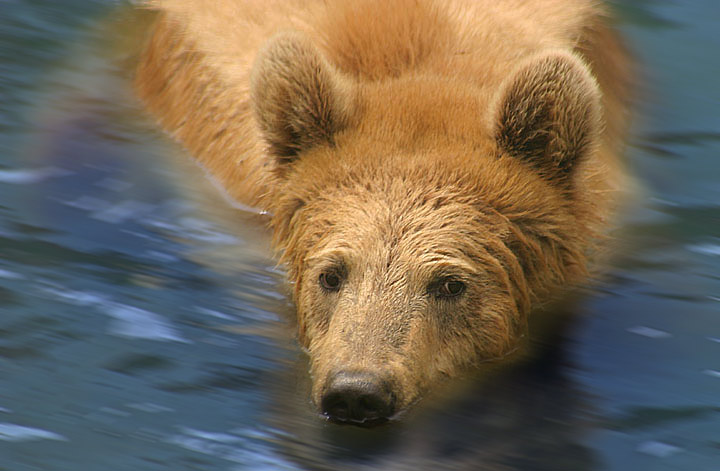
(140,324)
(649,332)
(24,176)
(150,407)
(19,433)
(9,275)
(705,249)
(128,321)
(658,449)
(123,211)
(214,313)
(251,453)
(195,229)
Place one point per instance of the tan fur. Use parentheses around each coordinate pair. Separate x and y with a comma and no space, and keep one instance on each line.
(398,143)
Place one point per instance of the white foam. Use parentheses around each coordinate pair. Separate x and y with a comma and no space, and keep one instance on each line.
(649,332)
(77,298)
(204,231)
(9,275)
(24,176)
(250,453)
(19,433)
(213,313)
(212,436)
(128,321)
(196,229)
(140,324)
(705,249)
(658,449)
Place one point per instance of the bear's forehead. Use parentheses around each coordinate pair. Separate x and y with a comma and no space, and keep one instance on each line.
(418,110)
(364,165)
(421,259)
(403,230)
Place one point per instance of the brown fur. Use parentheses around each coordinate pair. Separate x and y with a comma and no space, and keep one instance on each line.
(399,145)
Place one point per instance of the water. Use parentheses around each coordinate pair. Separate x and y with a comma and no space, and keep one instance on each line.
(145,325)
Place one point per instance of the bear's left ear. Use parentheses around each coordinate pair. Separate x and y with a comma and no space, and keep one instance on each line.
(299,99)
(548,114)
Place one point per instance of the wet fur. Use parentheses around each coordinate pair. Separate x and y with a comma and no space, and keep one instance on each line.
(396,143)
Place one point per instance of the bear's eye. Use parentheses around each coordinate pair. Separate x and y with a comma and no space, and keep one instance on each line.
(330,280)
(448,288)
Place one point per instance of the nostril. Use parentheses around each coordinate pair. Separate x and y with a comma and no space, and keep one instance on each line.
(371,406)
(357,397)
(336,406)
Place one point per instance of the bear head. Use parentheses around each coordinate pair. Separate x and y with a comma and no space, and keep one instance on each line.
(421,218)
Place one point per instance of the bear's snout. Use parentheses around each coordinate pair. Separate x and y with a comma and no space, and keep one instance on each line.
(358,397)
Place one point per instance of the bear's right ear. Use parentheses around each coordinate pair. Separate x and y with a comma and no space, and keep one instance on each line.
(299,99)
(548,115)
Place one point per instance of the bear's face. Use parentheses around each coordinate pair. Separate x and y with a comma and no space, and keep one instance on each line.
(398,289)
(417,249)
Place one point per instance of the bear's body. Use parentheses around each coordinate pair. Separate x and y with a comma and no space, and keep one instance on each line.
(435,170)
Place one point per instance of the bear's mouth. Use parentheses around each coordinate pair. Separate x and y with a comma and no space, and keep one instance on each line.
(364,422)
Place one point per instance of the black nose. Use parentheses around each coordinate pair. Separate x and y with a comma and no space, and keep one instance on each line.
(359,398)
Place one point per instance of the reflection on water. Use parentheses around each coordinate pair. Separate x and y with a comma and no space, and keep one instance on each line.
(145,325)
(525,416)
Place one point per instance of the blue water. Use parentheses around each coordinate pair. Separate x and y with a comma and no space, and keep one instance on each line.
(144,324)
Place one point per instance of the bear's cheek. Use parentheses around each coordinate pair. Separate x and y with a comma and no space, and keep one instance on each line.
(313,317)
(460,334)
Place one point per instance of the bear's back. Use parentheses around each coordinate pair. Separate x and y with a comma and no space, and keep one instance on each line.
(195,73)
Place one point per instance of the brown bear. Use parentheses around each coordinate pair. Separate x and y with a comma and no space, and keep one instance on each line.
(435,170)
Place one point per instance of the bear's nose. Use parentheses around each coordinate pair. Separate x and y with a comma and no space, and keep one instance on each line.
(357,397)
